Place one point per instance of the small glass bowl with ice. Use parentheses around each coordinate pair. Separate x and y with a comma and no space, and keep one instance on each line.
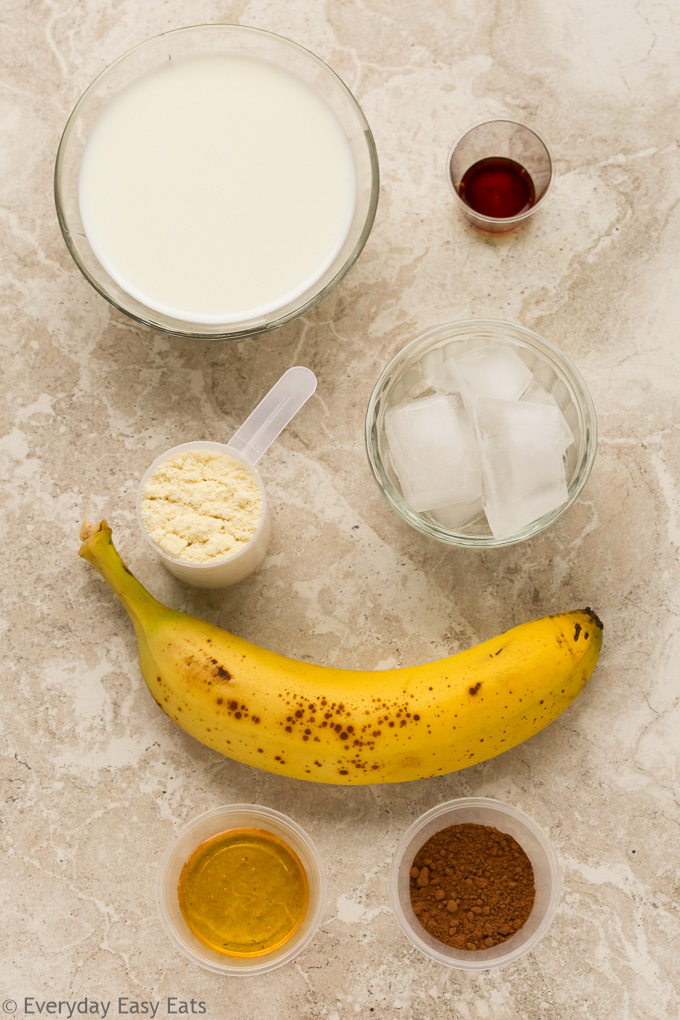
(480,433)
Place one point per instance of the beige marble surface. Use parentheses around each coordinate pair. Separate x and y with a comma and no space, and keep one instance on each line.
(95,780)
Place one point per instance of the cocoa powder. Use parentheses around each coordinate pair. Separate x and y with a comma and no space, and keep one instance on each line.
(472,886)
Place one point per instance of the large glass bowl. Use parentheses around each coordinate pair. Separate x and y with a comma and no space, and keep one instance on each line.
(193,41)
(407,376)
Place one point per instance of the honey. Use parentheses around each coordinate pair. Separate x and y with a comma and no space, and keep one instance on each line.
(243,892)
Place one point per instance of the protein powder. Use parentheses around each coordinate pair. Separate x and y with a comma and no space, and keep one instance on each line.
(201,506)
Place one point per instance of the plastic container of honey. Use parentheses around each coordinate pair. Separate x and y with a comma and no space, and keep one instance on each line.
(245,819)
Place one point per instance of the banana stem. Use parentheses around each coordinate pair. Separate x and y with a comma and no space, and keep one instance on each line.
(99,550)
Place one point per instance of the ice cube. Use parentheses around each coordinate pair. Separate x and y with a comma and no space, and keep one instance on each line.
(537,394)
(458,516)
(521,447)
(431,365)
(434,452)
(492,370)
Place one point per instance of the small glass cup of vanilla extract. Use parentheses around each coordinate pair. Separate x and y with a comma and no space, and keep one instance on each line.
(500,172)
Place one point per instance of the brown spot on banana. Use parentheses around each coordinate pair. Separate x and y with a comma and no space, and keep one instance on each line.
(220,672)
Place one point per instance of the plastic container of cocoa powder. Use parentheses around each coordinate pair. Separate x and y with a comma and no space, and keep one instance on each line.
(507,819)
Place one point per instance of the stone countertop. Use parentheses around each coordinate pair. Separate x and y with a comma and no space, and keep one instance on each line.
(95,780)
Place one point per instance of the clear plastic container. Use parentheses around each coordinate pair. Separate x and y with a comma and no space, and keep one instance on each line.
(236,816)
(219,573)
(406,377)
(505,818)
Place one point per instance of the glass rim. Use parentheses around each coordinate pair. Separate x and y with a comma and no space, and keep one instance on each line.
(452,330)
(185,328)
(510,221)
(477,962)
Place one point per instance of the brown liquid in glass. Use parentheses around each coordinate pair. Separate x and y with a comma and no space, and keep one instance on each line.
(497,187)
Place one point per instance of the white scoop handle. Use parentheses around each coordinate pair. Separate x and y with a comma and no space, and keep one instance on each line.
(273,413)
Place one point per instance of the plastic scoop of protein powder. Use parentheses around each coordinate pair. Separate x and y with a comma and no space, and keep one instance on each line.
(202,506)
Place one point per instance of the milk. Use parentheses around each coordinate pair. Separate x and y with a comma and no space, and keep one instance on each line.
(217,188)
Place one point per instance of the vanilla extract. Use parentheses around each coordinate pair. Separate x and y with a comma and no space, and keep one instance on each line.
(497,187)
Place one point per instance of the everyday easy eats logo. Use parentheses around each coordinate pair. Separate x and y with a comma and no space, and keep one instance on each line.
(172,1005)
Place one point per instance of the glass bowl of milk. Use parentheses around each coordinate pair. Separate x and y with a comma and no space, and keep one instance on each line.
(216,181)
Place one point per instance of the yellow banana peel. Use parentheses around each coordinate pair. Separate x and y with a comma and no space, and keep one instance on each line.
(351,726)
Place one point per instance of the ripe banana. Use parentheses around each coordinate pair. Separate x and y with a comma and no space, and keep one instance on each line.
(349,726)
